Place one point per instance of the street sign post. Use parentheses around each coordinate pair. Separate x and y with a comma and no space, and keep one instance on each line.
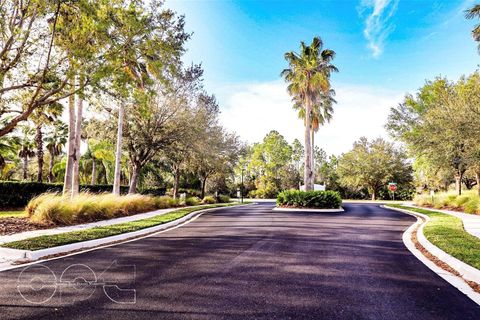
(392,186)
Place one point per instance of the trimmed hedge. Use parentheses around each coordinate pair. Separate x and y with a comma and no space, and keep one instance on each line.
(15,194)
(309,199)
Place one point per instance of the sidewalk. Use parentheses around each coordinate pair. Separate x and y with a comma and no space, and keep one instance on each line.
(471,222)
(102,223)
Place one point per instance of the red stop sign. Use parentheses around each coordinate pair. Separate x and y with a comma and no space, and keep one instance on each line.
(392,187)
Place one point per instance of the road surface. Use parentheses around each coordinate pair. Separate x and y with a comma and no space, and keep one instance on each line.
(244,263)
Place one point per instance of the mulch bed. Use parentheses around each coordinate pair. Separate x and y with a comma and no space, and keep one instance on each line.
(13,225)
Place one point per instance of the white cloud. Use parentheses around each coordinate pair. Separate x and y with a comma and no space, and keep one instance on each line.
(377,15)
(252,110)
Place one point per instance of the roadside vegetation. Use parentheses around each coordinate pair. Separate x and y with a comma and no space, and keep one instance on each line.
(85,207)
(468,202)
(447,233)
(309,199)
(44,242)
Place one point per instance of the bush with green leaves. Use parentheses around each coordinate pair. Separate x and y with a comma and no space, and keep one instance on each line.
(223,198)
(309,199)
(192,201)
(468,202)
(209,200)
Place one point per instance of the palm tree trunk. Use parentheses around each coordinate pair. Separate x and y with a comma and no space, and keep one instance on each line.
(78,140)
(313,158)
(67,184)
(50,167)
(118,152)
(94,172)
(39,143)
(308,148)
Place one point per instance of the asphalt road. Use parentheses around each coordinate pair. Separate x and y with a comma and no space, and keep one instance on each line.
(244,263)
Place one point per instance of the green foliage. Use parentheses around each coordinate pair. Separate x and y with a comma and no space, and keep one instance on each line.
(18,194)
(372,164)
(309,199)
(223,198)
(468,202)
(209,200)
(192,201)
(439,126)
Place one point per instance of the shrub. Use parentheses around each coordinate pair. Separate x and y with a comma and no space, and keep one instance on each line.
(468,202)
(223,199)
(14,194)
(86,207)
(192,201)
(165,202)
(209,200)
(472,206)
(309,199)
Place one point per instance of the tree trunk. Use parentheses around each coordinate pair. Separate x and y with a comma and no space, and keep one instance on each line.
(313,158)
(78,140)
(94,172)
(67,184)
(134,179)
(458,182)
(118,152)
(25,167)
(308,149)
(50,167)
(39,143)
(204,182)
(477,177)
(374,195)
(176,183)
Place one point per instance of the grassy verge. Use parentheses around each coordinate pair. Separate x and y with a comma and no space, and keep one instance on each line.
(14,214)
(44,242)
(447,233)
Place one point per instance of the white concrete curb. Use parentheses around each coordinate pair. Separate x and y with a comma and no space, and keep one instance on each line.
(466,271)
(15,254)
(307,209)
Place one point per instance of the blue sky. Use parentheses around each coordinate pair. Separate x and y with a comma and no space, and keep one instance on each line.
(385,48)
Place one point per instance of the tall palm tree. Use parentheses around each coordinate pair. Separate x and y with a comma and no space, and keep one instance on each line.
(308,76)
(474,12)
(322,112)
(27,149)
(55,141)
(45,115)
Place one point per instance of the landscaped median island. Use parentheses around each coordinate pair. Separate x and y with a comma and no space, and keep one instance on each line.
(447,233)
(321,200)
(50,241)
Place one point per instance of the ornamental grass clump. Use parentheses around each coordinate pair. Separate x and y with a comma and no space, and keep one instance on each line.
(86,207)
(468,202)
(309,199)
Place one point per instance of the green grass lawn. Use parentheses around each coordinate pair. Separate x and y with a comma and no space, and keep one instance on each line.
(447,233)
(43,242)
(16,214)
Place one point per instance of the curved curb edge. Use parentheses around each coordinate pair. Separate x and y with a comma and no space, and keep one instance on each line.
(466,271)
(58,252)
